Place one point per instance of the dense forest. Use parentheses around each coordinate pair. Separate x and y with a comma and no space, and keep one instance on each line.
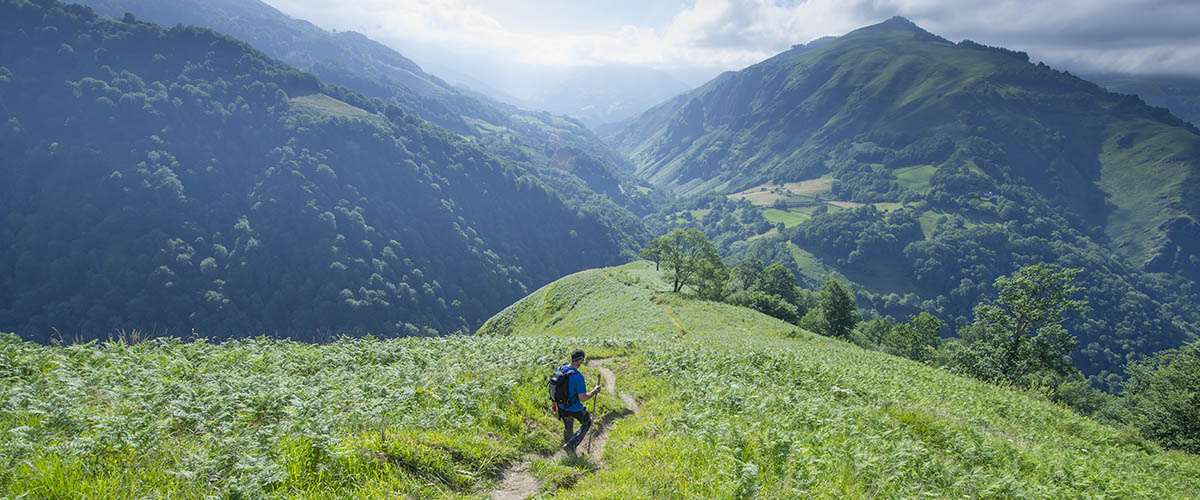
(536,141)
(177,181)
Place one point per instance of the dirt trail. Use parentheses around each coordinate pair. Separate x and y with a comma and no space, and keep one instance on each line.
(518,483)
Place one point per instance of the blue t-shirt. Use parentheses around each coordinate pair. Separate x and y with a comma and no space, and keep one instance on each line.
(575,386)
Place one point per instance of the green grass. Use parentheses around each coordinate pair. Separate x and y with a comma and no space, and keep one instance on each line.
(739,405)
(330,106)
(1146,169)
(735,404)
(889,206)
(277,419)
(788,218)
(915,178)
(810,266)
(929,221)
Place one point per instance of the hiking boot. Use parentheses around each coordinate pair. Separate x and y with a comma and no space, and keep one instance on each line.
(569,449)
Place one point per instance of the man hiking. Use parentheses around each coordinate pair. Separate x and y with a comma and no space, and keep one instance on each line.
(574,408)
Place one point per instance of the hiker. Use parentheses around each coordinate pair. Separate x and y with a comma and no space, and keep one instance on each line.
(574,409)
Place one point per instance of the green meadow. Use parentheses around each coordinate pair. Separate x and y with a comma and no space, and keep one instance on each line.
(734,404)
(788,218)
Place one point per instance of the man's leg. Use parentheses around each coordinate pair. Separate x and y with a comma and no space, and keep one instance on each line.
(568,427)
(585,423)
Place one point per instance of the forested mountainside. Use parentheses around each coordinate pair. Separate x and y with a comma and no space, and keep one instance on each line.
(530,139)
(922,169)
(177,181)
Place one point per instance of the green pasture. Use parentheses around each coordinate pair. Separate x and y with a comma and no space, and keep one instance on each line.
(915,178)
(788,218)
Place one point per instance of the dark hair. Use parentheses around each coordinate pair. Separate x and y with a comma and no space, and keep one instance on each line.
(577,354)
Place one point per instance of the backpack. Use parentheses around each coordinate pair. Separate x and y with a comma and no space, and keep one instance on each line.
(560,382)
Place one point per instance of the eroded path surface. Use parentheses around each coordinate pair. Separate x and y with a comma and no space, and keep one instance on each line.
(517,481)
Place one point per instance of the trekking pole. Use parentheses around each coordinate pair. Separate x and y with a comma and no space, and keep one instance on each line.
(599,382)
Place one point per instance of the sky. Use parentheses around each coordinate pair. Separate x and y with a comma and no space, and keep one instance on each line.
(694,40)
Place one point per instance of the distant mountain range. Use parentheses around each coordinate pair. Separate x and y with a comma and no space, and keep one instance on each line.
(1100,156)
(601,95)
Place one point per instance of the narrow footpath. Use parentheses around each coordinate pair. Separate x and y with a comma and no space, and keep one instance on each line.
(518,483)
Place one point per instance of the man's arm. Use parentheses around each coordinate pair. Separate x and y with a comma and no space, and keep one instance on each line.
(584,396)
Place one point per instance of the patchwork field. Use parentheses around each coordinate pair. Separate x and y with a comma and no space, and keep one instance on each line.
(812,190)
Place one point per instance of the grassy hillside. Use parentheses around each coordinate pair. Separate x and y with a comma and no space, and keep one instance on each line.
(734,404)
(773,412)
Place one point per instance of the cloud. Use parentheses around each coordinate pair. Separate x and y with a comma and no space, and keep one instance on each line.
(1145,36)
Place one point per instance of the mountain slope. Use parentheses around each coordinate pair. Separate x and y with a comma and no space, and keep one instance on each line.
(920,171)
(1179,94)
(1106,160)
(528,139)
(733,404)
(176,180)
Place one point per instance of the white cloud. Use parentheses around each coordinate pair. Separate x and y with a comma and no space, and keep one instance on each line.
(1119,35)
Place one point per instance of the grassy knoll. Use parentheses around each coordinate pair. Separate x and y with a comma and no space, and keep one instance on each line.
(739,405)
(734,404)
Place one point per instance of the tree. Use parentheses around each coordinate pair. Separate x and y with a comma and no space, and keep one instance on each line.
(1021,332)
(917,339)
(653,251)
(770,305)
(838,308)
(712,279)
(873,334)
(681,252)
(748,272)
(1163,397)
(778,280)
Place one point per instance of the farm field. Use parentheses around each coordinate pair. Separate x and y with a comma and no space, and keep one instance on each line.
(788,218)
(733,404)
(812,190)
